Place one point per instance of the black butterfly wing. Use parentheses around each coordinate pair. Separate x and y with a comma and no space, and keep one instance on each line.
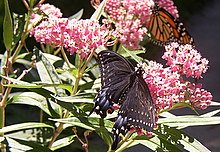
(115,79)
(137,111)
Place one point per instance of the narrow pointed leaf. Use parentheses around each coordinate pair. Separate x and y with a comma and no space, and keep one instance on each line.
(170,139)
(19,22)
(23,145)
(84,98)
(7,27)
(133,55)
(77,16)
(23,126)
(35,99)
(63,142)
(89,123)
(47,72)
(97,14)
(180,121)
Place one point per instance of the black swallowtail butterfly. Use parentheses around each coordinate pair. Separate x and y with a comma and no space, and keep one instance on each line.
(124,85)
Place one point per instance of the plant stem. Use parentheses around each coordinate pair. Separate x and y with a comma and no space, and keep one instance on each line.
(2,117)
(57,132)
(75,89)
(65,58)
(59,129)
(125,142)
(87,61)
(124,146)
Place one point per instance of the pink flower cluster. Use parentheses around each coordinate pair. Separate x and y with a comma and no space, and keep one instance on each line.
(167,85)
(199,98)
(185,60)
(130,33)
(48,10)
(130,16)
(115,10)
(169,6)
(77,36)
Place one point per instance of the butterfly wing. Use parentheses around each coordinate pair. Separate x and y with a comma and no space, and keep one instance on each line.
(184,37)
(161,26)
(165,28)
(115,79)
(137,111)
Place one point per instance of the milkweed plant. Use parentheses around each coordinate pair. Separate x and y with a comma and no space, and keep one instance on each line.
(59,76)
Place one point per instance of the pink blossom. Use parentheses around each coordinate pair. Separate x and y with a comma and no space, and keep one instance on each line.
(115,10)
(184,59)
(169,6)
(140,9)
(77,36)
(86,35)
(130,33)
(198,97)
(168,87)
(48,10)
(52,31)
(130,18)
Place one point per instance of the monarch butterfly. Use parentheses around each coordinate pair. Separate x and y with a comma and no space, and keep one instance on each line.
(165,28)
(124,85)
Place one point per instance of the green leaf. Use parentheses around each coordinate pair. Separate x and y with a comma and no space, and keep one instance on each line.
(71,107)
(63,142)
(35,99)
(167,114)
(95,69)
(80,98)
(168,139)
(20,84)
(23,84)
(7,27)
(97,14)
(48,73)
(89,123)
(213,103)
(104,134)
(97,84)
(53,58)
(190,120)
(133,55)
(23,126)
(22,145)
(75,122)
(210,114)
(3,62)
(19,22)
(77,16)
(16,146)
(174,138)
(101,126)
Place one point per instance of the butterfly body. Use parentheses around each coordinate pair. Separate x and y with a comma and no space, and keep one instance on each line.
(124,85)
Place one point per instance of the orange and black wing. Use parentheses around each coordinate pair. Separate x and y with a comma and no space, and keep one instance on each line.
(165,28)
